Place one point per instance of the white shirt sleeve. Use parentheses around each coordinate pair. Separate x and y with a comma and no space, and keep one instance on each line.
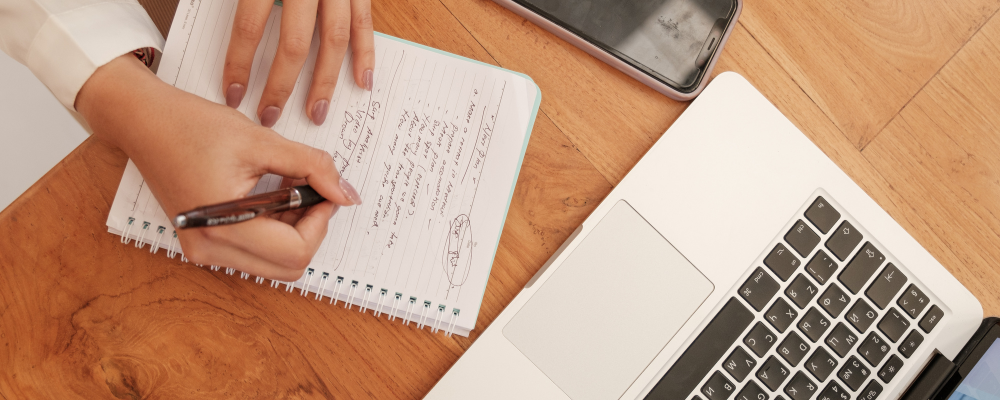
(64,41)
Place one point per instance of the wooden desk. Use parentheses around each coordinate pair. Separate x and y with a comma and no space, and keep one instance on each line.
(902,95)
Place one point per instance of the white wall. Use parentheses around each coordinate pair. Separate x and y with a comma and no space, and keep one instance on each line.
(35,130)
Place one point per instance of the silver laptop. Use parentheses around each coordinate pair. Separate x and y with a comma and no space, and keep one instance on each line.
(735,261)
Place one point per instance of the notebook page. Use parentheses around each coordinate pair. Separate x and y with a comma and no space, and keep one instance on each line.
(433,149)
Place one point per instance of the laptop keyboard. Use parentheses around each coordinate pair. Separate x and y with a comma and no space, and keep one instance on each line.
(824,315)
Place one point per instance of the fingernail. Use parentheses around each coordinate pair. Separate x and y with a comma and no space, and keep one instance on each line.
(350,192)
(269,116)
(234,95)
(319,111)
(369,79)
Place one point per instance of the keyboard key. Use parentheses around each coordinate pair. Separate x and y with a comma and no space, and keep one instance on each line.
(821,364)
(833,391)
(853,374)
(894,324)
(759,288)
(802,238)
(782,262)
(717,387)
(793,348)
(844,240)
(890,368)
(913,301)
(801,291)
(760,339)
(822,215)
(781,315)
(752,392)
(841,339)
(814,325)
(873,349)
(871,391)
(821,267)
(705,352)
(834,300)
(800,387)
(910,344)
(861,315)
(773,373)
(931,319)
(739,364)
(885,287)
(861,268)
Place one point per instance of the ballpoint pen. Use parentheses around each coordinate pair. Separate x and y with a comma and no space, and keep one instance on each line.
(247,208)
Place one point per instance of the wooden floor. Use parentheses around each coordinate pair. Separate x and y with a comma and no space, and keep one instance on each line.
(903,95)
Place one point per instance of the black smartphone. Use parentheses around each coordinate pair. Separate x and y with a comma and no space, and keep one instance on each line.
(976,370)
(669,45)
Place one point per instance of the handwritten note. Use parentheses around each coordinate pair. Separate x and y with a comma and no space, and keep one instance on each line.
(433,149)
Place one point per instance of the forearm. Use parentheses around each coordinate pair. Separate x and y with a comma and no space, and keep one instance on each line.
(116,92)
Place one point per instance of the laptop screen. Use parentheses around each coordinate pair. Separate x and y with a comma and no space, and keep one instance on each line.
(983,382)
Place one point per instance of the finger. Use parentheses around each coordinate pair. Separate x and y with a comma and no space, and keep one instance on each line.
(274,241)
(363,43)
(295,160)
(292,216)
(201,249)
(248,27)
(298,19)
(335,34)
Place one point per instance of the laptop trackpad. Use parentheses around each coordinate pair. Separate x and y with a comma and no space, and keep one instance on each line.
(599,320)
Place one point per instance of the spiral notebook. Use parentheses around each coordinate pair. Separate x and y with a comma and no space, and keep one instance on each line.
(434,149)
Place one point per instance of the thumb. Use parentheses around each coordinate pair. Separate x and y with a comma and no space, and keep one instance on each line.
(298,161)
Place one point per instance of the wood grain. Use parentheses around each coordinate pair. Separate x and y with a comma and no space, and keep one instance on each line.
(610,117)
(861,61)
(82,316)
(942,150)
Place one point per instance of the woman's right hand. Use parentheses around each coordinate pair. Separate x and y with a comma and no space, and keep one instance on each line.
(193,152)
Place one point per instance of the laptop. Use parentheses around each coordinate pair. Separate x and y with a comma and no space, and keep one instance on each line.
(735,261)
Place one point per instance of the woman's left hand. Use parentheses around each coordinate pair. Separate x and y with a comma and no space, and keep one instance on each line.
(341,23)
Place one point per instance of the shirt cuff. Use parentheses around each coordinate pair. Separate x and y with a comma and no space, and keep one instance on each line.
(71,45)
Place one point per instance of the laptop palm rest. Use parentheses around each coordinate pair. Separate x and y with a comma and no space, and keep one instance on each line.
(612,305)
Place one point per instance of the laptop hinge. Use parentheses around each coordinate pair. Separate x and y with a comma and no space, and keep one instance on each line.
(930,381)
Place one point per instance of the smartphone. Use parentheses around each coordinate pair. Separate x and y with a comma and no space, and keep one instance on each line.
(669,45)
(974,374)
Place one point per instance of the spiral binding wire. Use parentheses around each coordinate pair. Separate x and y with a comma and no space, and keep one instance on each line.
(305,287)
(426,316)
(138,241)
(170,250)
(336,293)
(381,298)
(350,295)
(322,285)
(364,300)
(156,243)
(126,229)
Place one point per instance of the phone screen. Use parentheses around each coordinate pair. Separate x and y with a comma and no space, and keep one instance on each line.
(983,382)
(664,38)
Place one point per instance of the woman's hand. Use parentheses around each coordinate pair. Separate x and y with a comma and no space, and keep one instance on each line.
(193,152)
(341,22)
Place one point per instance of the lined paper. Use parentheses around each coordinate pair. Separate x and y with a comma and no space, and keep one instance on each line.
(433,149)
